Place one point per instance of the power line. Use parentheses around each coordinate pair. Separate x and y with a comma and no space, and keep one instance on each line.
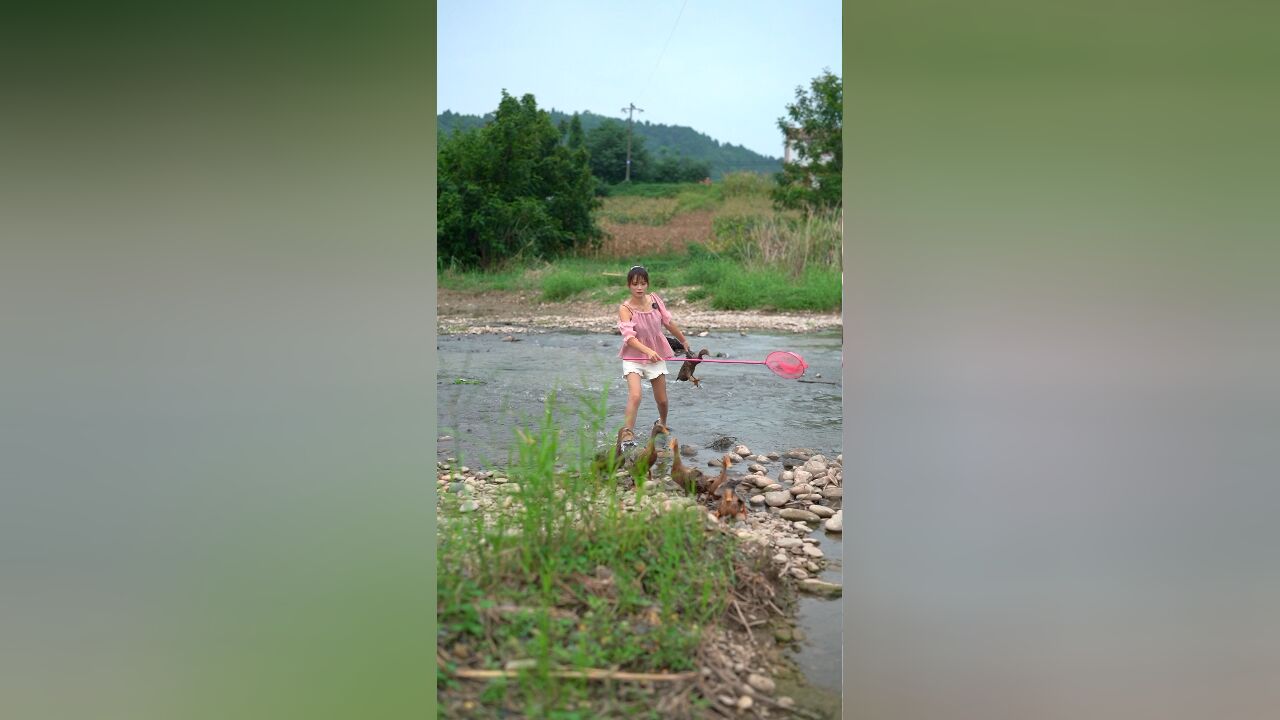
(671,34)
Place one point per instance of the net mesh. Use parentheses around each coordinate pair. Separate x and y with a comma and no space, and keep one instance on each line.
(786,364)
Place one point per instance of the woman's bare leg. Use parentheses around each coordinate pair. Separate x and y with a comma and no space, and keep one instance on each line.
(660,396)
(633,400)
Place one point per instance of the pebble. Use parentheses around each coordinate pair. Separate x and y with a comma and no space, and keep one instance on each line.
(773,455)
(821,511)
(761,458)
(821,587)
(813,551)
(761,683)
(780,558)
(801,527)
(834,524)
(468,506)
(745,702)
(787,476)
(761,482)
(832,491)
(741,451)
(756,467)
(799,573)
(788,542)
(802,476)
(757,499)
(773,487)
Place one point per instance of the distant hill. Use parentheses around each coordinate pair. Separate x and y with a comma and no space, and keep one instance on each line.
(659,139)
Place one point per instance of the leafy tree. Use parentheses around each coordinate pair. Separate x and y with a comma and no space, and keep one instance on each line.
(679,169)
(512,188)
(815,122)
(607,143)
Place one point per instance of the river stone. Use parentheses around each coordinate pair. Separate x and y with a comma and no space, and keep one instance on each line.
(688,450)
(788,542)
(801,489)
(834,524)
(468,506)
(801,527)
(761,482)
(799,573)
(832,492)
(772,455)
(815,466)
(761,683)
(756,467)
(757,499)
(761,458)
(741,451)
(802,476)
(745,702)
(798,514)
(787,476)
(813,551)
(457,487)
(821,511)
(780,558)
(820,482)
(777,499)
(812,566)
(773,487)
(821,587)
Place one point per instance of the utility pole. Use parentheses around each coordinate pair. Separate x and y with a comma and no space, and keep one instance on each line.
(629,110)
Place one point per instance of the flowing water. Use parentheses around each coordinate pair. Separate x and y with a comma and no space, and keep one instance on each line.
(487,386)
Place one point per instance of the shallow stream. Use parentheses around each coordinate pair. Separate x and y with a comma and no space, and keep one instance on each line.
(488,386)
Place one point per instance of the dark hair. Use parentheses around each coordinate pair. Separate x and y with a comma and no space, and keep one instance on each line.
(637,271)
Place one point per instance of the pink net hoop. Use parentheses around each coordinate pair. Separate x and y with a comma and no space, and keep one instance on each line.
(785,363)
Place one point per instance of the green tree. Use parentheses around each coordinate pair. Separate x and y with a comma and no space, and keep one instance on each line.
(512,188)
(815,124)
(607,143)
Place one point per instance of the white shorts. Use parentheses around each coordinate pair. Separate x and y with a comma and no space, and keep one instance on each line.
(647,371)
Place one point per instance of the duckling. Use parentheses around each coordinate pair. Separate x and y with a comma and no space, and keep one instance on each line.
(688,478)
(686,370)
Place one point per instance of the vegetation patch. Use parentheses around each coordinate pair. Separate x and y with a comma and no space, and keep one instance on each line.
(567,580)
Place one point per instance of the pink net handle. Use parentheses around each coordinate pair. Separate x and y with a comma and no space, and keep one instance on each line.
(785,363)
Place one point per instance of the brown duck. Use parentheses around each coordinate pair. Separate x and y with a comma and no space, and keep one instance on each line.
(730,505)
(689,478)
(686,370)
(719,482)
(648,457)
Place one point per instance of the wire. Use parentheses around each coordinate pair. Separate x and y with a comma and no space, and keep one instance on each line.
(664,50)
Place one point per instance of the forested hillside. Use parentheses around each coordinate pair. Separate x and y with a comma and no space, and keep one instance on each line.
(660,140)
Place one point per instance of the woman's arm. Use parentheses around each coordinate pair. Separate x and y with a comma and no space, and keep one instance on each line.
(675,330)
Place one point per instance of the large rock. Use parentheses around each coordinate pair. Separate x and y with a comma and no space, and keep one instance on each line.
(798,514)
(777,499)
(821,587)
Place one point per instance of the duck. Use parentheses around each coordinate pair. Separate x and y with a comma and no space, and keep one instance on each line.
(720,481)
(686,370)
(686,477)
(730,505)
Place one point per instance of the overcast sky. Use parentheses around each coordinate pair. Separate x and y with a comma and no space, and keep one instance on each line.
(726,68)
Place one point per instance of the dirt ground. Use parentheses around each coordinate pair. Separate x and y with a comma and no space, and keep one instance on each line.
(516,312)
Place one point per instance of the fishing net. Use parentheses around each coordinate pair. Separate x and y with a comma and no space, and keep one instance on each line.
(785,364)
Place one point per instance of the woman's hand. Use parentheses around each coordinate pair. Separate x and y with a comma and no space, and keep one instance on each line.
(653,356)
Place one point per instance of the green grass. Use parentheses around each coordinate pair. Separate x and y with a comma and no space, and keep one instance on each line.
(529,584)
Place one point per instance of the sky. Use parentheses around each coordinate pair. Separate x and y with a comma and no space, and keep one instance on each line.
(726,68)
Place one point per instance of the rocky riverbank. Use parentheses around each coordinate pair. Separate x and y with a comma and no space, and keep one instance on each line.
(511,313)
(791,495)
